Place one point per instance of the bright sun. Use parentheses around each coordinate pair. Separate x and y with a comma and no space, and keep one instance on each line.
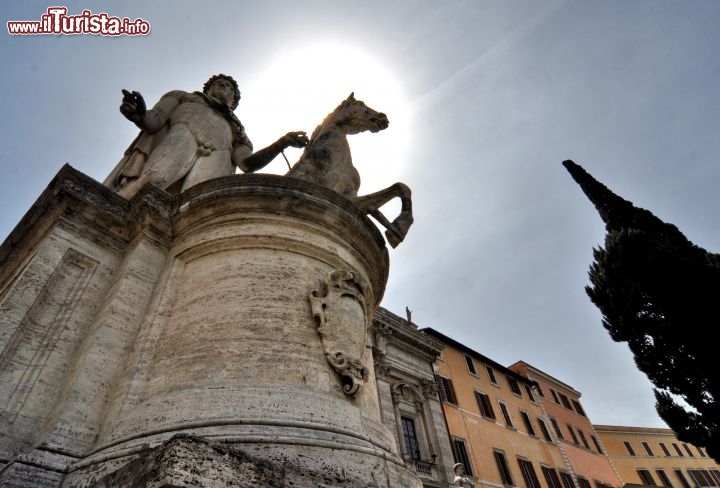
(297,90)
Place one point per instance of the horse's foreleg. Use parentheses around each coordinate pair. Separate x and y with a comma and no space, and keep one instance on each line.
(380,198)
(398,228)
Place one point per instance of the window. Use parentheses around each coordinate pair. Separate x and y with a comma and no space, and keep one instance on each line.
(540,391)
(491,375)
(528,424)
(554,395)
(645,477)
(701,477)
(506,415)
(681,477)
(708,478)
(583,439)
(572,433)
(544,430)
(716,475)
(503,468)
(528,472)
(600,484)
(567,480)
(687,450)
(530,393)
(664,478)
(629,448)
(578,408)
(697,477)
(584,483)
(485,406)
(711,478)
(564,400)
(555,425)
(677,450)
(551,477)
(646,446)
(664,449)
(514,387)
(461,455)
(410,438)
(597,444)
(447,392)
(470,365)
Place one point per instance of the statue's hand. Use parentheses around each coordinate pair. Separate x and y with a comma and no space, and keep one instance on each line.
(295,139)
(133,106)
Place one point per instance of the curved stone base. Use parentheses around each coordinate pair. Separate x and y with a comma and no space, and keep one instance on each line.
(189,460)
(236,312)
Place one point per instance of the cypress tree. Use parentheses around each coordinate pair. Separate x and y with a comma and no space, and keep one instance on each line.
(660,293)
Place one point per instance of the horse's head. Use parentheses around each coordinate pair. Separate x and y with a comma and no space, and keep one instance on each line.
(355,117)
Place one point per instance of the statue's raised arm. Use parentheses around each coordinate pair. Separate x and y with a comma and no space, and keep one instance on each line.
(133,106)
(187,138)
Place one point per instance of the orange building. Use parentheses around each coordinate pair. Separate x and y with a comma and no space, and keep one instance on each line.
(651,456)
(518,426)
(572,430)
(496,422)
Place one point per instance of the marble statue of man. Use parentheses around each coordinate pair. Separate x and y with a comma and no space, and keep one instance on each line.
(187,138)
(460,478)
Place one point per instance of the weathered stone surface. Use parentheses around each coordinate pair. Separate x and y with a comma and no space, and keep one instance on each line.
(128,322)
(187,460)
(188,138)
(404,360)
(327,161)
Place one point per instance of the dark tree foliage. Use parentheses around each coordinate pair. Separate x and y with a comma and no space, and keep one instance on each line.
(660,293)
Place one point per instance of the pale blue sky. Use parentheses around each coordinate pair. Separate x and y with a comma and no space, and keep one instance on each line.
(485,100)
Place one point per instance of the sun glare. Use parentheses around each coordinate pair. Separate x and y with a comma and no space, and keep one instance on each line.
(297,90)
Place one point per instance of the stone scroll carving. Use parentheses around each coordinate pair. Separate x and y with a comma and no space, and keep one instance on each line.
(342,314)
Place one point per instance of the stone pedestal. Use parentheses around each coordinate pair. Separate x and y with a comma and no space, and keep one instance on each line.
(235,314)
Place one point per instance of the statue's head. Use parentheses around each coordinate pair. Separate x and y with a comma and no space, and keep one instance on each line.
(459,469)
(236,91)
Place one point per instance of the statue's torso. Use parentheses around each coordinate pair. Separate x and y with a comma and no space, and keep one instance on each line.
(207,125)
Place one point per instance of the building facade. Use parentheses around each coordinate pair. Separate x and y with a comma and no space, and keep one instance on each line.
(496,422)
(408,395)
(572,430)
(651,456)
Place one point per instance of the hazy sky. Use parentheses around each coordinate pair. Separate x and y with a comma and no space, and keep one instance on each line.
(485,100)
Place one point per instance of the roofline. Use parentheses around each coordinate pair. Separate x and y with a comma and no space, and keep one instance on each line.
(439,335)
(548,377)
(629,429)
(408,333)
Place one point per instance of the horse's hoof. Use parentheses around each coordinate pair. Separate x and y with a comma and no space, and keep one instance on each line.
(394,237)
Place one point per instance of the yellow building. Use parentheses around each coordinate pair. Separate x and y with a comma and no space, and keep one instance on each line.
(652,456)
(497,426)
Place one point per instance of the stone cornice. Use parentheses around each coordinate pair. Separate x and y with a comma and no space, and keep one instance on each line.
(405,336)
(73,197)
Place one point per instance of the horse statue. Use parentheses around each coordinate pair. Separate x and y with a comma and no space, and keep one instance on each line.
(326,161)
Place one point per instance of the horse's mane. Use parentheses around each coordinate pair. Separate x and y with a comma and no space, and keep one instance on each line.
(329,116)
